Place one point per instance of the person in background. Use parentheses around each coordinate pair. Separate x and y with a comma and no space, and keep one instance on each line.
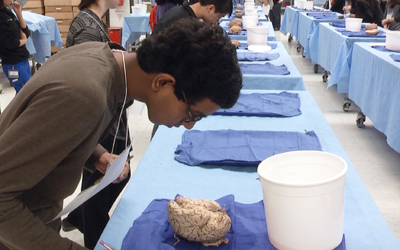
(368,10)
(382,4)
(391,16)
(266,7)
(165,5)
(13,37)
(258,2)
(337,6)
(210,11)
(92,216)
(275,14)
(60,120)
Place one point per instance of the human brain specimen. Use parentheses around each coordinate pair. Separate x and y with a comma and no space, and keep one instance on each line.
(199,220)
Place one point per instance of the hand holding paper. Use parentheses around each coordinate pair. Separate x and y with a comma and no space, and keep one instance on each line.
(117,168)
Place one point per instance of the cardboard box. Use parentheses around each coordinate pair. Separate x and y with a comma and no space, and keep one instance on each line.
(60,15)
(64,35)
(36,10)
(56,9)
(33,4)
(63,28)
(57,2)
(54,49)
(75,9)
(75,2)
(66,22)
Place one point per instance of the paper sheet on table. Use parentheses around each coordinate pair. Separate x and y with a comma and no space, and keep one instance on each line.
(114,170)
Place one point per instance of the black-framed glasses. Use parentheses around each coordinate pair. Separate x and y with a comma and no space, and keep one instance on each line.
(192,118)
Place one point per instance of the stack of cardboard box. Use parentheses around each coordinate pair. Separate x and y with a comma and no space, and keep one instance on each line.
(63,11)
(36,6)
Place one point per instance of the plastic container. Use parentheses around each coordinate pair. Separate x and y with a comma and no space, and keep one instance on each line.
(248,21)
(393,40)
(304,199)
(308,5)
(136,10)
(300,4)
(254,16)
(353,24)
(251,11)
(257,35)
(139,9)
(248,6)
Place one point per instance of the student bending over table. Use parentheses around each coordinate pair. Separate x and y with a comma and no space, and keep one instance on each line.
(52,128)
(210,11)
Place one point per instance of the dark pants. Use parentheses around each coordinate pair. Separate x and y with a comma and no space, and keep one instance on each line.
(276,16)
(91,217)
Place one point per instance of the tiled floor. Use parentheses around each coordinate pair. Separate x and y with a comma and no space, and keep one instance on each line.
(377,164)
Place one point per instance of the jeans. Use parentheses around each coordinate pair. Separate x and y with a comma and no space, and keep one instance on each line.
(24,72)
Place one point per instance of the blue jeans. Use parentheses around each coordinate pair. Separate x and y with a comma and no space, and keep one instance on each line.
(24,72)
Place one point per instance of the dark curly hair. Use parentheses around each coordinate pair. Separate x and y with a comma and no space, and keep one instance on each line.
(221,6)
(161,2)
(200,57)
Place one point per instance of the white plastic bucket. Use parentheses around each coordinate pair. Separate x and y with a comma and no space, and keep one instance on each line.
(248,21)
(141,7)
(251,11)
(248,6)
(392,40)
(248,1)
(254,16)
(304,199)
(257,35)
(137,10)
(309,5)
(353,24)
(300,4)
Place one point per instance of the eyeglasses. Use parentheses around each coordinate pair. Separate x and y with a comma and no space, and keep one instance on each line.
(192,118)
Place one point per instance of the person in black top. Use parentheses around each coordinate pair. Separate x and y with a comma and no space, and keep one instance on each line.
(368,10)
(338,5)
(275,14)
(13,36)
(210,11)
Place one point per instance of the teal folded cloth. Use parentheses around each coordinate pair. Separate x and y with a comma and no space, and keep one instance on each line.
(360,34)
(152,231)
(240,147)
(322,15)
(243,55)
(265,104)
(245,46)
(395,57)
(264,69)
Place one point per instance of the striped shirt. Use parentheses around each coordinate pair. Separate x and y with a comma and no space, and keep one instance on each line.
(86,27)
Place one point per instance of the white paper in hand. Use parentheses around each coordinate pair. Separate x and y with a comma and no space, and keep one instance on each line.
(113,172)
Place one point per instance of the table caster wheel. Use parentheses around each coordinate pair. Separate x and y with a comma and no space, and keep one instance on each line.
(325,78)
(315,68)
(290,39)
(346,106)
(298,49)
(360,120)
